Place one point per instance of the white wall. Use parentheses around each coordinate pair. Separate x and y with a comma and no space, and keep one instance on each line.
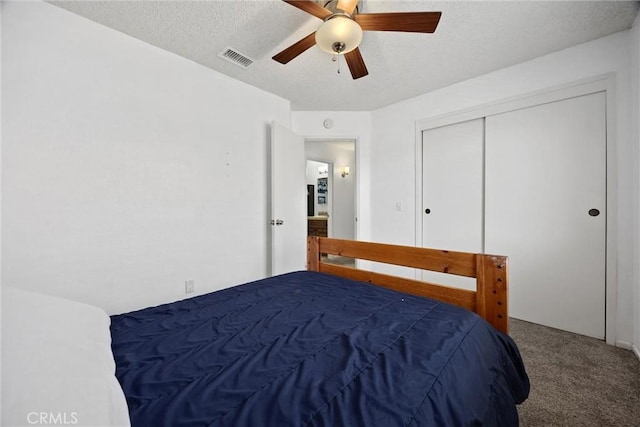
(392,156)
(341,202)
(126,170)
(635,83)
(346,125)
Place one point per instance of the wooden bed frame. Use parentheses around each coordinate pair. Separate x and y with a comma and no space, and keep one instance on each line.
(489,299)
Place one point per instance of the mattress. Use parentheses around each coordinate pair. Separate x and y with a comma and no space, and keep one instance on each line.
(57,364)
(308,348)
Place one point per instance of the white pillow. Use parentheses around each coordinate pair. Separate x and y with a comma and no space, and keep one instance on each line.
(57,364)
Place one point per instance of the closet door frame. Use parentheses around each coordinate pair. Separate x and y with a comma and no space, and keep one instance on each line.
(604,83)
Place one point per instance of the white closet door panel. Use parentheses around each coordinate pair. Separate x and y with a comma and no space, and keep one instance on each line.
(453,192)
(545,169)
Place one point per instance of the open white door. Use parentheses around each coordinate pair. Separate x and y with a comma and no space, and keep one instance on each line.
(288,221)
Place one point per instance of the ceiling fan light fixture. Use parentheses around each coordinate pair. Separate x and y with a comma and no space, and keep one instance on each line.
(338,35)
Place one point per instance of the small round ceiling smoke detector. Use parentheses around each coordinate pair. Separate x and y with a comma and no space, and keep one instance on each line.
(328,123)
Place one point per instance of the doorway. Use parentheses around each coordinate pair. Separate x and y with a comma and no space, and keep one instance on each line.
(331,190)
(319,197)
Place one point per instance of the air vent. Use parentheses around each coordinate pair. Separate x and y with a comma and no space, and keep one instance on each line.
(235,57)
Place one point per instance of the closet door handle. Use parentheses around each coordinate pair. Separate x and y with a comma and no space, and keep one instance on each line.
(594,212)
(427,211)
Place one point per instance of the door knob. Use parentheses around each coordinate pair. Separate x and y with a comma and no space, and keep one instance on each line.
(594,212)
(427,211)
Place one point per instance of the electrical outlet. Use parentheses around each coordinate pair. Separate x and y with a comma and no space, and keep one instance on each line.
(189,286)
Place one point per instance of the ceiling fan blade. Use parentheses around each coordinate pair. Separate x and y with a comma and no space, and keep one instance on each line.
(411,22)
(356,64)
(296,49)
(310,7)
(347,5)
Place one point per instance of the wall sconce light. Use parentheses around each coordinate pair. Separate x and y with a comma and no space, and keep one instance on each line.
(345,171)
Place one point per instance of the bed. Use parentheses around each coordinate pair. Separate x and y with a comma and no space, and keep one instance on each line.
(317,347)
(332,345)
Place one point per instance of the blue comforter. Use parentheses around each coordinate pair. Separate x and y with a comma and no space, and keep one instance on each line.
(312,349)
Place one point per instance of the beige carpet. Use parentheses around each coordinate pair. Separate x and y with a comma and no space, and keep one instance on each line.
(576,380)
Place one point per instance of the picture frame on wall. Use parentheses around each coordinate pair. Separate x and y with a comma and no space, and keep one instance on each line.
(323,185)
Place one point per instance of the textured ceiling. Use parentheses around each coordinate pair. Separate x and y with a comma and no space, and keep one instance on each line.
(473,38)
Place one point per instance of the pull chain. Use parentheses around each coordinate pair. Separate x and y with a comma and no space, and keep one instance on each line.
(336,59)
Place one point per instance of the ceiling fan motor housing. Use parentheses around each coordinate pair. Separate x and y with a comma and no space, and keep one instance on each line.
(332,5)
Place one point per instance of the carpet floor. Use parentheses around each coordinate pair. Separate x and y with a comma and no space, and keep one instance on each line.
(576,380)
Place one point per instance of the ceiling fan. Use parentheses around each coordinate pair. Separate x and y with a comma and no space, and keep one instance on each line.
(341,31)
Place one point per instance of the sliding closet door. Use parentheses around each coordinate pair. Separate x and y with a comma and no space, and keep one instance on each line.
(453,191)
(545,209)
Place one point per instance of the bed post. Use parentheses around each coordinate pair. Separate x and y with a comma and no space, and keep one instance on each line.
(313,253)
(492,275)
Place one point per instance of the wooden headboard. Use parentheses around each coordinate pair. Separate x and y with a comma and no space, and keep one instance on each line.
(489,300)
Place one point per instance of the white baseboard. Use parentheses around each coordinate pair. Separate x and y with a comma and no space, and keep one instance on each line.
(624,344)
(629,346)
